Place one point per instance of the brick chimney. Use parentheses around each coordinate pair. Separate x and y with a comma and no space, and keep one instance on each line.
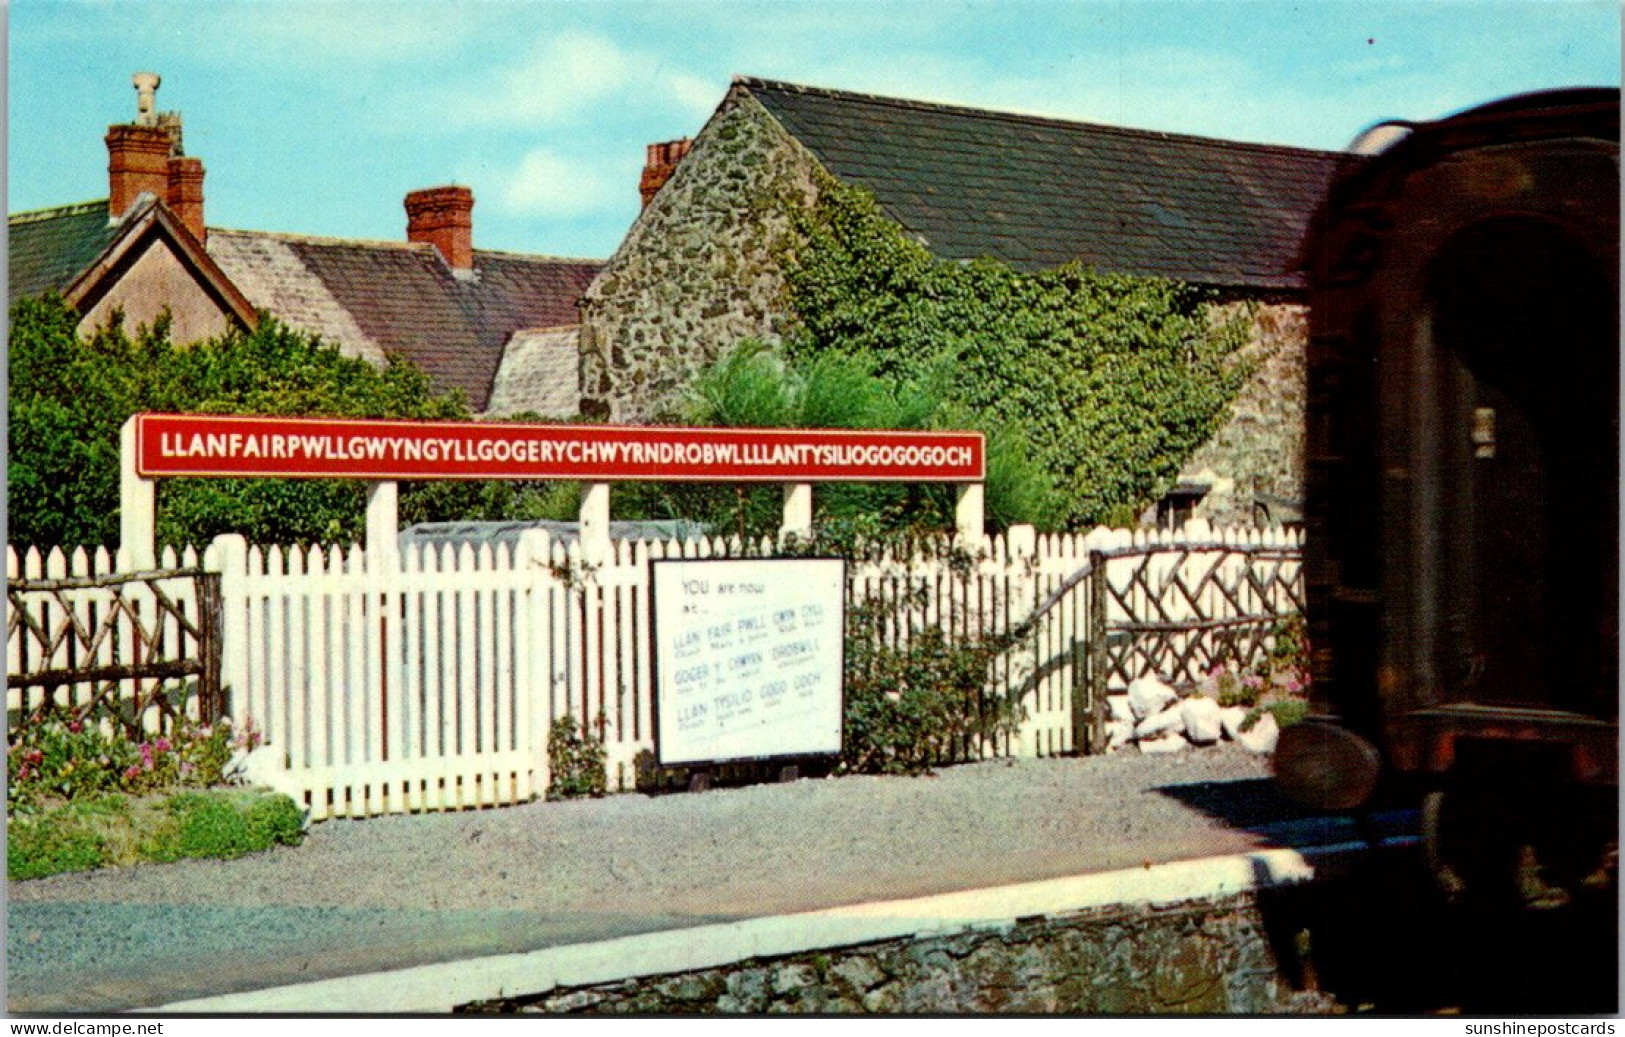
(137,161)
(186,194)
(146,156)
(660,164)
(443,217)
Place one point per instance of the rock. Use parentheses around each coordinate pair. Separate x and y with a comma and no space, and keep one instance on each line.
(1117,708)
(1168,743)
(1118,734)
(1169,721)
(1263,736)
(859,974)
(793,977)
(261,766)
(1230,718)
(1148,696)
(1203,724)
(883,1000)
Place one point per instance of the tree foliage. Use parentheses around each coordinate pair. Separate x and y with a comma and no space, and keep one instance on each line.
(1116,380)
(754,386)
(69,396)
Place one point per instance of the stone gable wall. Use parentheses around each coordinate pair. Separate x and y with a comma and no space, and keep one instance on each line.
(1259,448)
(697,272)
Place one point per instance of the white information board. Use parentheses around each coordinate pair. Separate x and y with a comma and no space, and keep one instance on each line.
(748,658)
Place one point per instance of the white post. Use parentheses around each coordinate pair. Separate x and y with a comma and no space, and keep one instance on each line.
(595,523)
(798,510)
(533,695)
(138,508)
(968,513)
(383,520)
(228,555)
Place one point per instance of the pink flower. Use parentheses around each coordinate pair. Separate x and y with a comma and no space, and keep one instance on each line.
(162,745)
(77,726)
(132,773)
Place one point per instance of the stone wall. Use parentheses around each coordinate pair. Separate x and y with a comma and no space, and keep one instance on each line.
(697,271)
(1258,451)
(1198,957)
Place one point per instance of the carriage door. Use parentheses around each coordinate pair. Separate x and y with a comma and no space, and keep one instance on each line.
(1526,344)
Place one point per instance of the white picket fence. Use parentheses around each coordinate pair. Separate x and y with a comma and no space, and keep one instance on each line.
(429,679)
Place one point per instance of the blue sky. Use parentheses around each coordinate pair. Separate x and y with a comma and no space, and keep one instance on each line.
(318,117)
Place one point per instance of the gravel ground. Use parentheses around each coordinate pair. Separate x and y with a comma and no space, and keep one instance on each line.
(385,892)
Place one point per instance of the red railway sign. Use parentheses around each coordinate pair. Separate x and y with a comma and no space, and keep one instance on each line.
(309,448)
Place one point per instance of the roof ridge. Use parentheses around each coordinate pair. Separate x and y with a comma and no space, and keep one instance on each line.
(1024,117)
(72,209)
(390,243)
(324,239)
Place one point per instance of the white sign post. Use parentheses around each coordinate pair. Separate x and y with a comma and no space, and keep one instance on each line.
(748,659)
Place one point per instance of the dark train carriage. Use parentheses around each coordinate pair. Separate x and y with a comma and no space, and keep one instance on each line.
(1463,505)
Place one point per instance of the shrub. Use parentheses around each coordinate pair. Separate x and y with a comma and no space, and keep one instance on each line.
(1286,712)
(120,830)
(225,826)
(68,839)
(754,385)
(576,760)
(912,707)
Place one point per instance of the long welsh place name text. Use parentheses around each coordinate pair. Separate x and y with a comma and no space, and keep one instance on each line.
(547,451)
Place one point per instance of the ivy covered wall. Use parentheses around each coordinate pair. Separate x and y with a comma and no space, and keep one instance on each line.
(713,260)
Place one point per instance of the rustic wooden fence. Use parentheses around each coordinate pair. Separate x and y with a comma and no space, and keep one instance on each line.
(428,679)
(137,649)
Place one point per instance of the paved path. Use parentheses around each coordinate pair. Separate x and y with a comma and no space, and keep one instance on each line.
(392,892)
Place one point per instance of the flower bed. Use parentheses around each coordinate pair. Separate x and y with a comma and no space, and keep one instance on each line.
(83,795)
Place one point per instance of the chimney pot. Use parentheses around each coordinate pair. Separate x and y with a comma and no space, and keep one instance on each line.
(444,218)
(659,164)
(146,90)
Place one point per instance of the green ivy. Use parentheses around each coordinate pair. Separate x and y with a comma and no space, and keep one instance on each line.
(1115,379)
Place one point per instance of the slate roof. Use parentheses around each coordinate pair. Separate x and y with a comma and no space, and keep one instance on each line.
(1038,192)
(373,298)
(539,372)
(50,248)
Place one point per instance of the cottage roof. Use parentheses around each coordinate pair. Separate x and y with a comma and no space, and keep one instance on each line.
(80,253)
(369,298)
(377,298)
(539,372)
(1038,192)
(50,248)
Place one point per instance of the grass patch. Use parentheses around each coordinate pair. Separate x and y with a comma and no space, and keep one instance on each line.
(118,831)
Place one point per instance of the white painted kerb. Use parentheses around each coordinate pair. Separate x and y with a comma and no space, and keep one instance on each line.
(443,986)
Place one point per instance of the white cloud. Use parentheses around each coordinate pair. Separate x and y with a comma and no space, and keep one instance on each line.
(549,185)
(561,76)
(566,78)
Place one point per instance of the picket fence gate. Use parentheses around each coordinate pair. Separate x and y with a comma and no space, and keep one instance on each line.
(429,678)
